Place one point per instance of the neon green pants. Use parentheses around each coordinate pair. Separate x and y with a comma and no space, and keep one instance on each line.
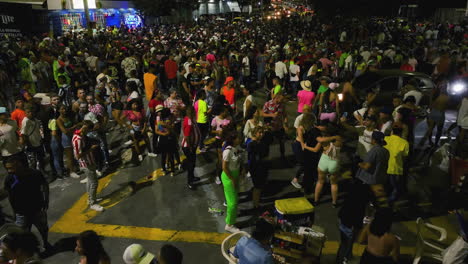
(232,198)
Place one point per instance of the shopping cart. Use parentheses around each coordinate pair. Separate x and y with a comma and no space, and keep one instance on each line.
(229,244)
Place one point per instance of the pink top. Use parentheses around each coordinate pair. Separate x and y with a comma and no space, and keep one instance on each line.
(304,98)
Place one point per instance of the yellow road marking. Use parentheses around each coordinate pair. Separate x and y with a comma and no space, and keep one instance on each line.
(76,220)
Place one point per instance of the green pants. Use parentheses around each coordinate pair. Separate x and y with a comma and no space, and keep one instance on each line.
(232,198)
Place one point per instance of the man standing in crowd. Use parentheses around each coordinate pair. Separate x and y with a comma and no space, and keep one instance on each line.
(373,169)
(83,152)
(28,192)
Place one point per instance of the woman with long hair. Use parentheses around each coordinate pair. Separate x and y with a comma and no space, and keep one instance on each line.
(329,104)
(329,162)
(305,144)
(383,247)
(232,163)
(167,145)
(218,123)
(89,246)
(254,119)
(117,105)
(257,152)
(66,124)
(136,118)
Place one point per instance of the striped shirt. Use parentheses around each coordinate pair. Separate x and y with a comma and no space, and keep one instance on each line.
(79,146)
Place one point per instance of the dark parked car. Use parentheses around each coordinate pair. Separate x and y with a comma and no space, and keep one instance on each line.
(385,83)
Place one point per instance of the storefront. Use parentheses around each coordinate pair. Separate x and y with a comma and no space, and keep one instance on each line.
(74,20)
(15,19)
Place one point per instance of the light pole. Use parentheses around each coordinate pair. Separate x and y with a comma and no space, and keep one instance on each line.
(88,24)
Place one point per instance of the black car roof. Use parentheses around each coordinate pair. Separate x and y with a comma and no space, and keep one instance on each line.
(397,72)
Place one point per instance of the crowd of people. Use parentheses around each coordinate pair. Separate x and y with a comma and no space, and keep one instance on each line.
(168,89)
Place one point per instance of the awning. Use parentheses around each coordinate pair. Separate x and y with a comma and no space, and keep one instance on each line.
(28,2)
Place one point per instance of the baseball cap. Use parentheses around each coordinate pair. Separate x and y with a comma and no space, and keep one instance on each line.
(325,78)
(379,137)
(229,79)
(136,254)
(3,110)
(206,78)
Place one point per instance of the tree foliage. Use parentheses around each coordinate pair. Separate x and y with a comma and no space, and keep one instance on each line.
(157,8)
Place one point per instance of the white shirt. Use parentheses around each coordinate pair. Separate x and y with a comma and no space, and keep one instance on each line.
(248,128)
(365,55)
(348,62)
(428,34)
(298,120)
(234,158)
(8,139)
(294,69)
(280,69)
(246,66)
(91,117)
(343,36)
(413,62)
(32,129)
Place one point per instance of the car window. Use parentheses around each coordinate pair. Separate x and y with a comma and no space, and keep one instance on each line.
(387,85)
(425,84)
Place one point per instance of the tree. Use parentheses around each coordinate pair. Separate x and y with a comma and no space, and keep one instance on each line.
(156,8)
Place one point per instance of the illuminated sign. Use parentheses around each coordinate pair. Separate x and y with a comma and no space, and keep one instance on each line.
(132,20)
(78,4)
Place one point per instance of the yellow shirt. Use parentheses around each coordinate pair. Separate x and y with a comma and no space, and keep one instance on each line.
(398,149)
(201,108)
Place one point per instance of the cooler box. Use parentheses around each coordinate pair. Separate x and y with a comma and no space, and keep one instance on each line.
(298,211)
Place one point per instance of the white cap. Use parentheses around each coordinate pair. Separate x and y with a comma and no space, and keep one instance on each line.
(136,254)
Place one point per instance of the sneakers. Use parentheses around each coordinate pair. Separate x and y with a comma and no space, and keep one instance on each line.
(218,181)
(172,174)
(140,158)
(85,180)
(152,155)
(225,204)
(74,175)
(231,229)
(191,186)
(296,184)
(179,167)
(128,143)
(96,207)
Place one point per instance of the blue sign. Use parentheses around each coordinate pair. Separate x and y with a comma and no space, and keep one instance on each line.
(132,20)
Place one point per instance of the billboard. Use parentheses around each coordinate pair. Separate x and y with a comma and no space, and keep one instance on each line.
(15,19)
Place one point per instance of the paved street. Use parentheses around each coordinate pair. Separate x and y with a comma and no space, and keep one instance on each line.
(142,206)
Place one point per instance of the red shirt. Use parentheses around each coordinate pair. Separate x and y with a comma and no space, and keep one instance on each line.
(170,67)
(230,95)
(153,103)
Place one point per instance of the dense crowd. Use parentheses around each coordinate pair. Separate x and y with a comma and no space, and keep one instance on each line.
(169,88)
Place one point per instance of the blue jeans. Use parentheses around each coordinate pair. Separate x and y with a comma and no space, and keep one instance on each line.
(57,155)
(345,251)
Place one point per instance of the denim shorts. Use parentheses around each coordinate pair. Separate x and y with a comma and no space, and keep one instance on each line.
(66,141)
